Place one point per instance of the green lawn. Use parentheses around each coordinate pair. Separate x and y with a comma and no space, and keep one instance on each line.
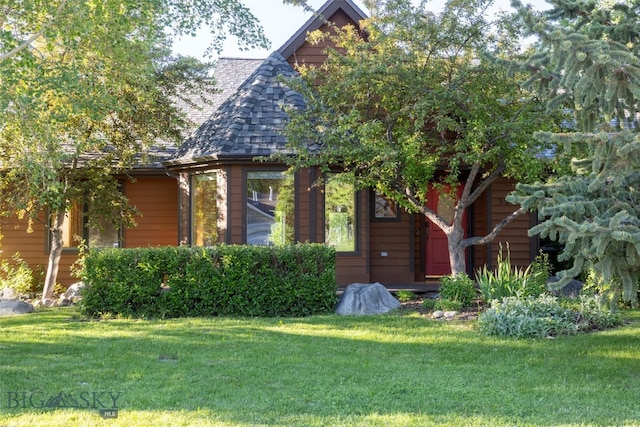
(391,370)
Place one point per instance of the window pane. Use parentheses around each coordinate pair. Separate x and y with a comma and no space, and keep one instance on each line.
(72,228)
(105,235)
(340,215)
(270,208)
(204,210)
(76,228)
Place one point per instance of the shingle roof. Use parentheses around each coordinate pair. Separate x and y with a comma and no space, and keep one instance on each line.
(228,74)
(249,122)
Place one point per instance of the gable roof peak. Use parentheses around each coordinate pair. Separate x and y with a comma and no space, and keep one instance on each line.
(320,17)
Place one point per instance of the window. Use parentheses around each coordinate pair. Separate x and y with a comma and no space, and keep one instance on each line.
(75,230)
(104,235)
(384,208)
(204,210)
(340,214)
(270,208)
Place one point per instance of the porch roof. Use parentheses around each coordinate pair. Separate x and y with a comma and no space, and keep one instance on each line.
(249,122)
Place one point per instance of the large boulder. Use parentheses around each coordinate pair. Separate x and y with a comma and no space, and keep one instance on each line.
(10,308)
(365,298)
(74,291)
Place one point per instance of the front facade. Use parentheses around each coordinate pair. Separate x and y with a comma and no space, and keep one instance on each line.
(213,190)
(229,197)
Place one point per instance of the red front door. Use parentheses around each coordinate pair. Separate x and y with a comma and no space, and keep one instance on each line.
(437,249)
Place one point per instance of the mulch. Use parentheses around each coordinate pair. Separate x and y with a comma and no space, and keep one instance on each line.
(415,306)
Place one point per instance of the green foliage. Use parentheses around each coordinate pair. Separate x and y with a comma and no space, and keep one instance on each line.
(460,288)
(89,95)
(508,281)
(544,316)
(609,291)
(287,280)
(588,66)
(593,312)
(429,303)
(541,269)
(404,296)
(441,304)
(527,318)
(448,305)
(414,103)
(16,275)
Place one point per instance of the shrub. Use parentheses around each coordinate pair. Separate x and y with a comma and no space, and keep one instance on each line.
(459,288)
(294,280)
(527,318)
(540,270)
(592,312)
(404,296)
(507,281)
(429,303)
(448,305)
(17,275)
(610,291)
(544,316)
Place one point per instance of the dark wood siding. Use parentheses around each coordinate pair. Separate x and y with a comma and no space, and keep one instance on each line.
(515,234)
(480,212)
(157,200)
(32,247)
(236,189)
(308,54)
(392,250)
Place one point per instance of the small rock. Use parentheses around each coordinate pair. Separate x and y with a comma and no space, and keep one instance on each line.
(63,302)
(450,314)
(48,302)
(8,308)
(439,314)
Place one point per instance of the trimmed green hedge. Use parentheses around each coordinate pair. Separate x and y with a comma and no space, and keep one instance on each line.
(230,280)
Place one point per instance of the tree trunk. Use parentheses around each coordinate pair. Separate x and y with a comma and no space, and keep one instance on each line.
(54,255)
(457,256)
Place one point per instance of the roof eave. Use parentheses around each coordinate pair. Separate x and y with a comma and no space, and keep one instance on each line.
(213,161)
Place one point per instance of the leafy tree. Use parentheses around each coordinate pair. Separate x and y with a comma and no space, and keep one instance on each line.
(587,61)
(409,101)
(86,89)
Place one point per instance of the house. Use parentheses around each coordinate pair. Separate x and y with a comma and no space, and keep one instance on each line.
(212,190)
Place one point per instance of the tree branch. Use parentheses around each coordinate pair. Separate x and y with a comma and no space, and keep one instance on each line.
(429,213)
(471,241)
(487,182)
(35,36)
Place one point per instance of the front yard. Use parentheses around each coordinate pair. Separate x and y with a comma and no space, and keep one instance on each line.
(399,369)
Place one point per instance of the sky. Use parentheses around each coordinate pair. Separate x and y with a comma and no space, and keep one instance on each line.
(280,22)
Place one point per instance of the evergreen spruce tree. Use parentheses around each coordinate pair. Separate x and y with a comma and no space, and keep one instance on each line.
(587,61)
